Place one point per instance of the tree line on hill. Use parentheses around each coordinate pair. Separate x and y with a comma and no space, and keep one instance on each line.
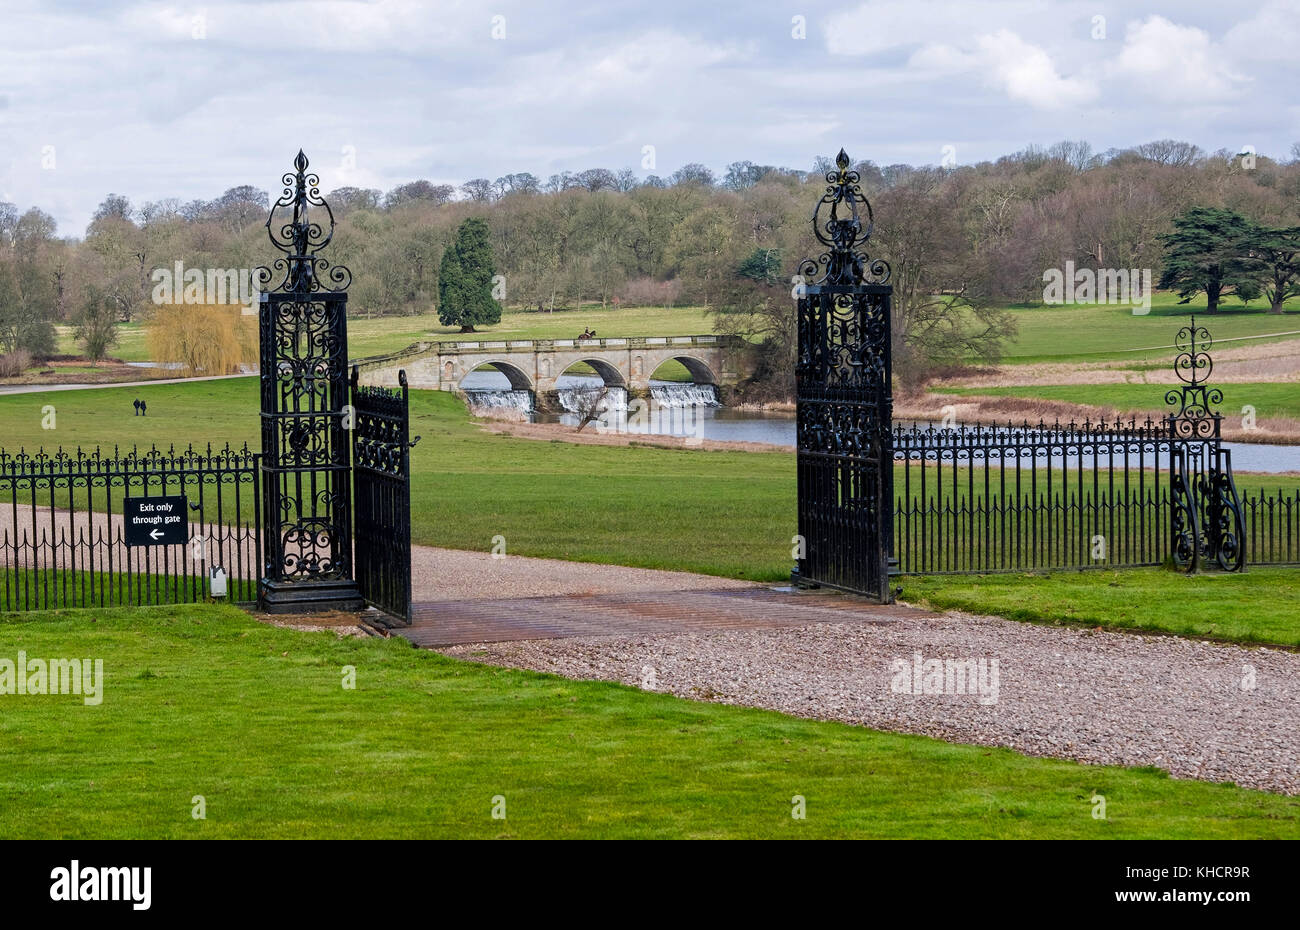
(963,242)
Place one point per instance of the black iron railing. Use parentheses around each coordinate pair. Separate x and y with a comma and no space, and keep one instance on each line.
(62,532)
(1019,497)
(1272,527)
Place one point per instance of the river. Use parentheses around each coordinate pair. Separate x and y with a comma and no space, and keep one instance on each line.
(682,409)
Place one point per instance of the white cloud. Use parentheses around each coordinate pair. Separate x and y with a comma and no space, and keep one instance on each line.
(1175,63)
(321,25)
(1022,71)
(1272,34)
(136,105)
(879,26)
(1027,73)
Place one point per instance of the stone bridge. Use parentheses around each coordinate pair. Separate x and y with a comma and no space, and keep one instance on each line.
(535,364)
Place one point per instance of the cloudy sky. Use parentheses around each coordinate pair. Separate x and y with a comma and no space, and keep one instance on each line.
(156,100)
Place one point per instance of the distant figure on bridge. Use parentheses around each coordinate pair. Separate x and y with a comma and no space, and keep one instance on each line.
(587,333)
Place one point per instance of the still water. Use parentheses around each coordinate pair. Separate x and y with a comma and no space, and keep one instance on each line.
(693,410)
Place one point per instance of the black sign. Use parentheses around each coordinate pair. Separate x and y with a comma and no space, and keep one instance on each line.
(156,521)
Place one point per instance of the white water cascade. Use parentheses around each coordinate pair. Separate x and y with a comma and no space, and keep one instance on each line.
(573,399)
(684,394)
(496,402)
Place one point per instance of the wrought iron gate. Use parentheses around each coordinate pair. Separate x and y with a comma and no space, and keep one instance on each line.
(305,473)
(1207,524)
(844,402)
(381,464)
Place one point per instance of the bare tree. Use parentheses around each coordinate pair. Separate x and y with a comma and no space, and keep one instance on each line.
(694,173)
(477,189)
(425,191)
(589,404)
(1170,152)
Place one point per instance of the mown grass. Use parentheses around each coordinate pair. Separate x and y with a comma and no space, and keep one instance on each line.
(203,701)
(1094,332)
(1268,399)
(722,513)
(1089,332)
(1261,605)
(54,586)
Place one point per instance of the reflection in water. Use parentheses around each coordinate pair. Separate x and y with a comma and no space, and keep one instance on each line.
(686,409)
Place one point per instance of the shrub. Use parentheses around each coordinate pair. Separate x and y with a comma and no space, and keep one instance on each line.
(15,363)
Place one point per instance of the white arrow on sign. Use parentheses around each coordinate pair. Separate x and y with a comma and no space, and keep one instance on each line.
(156,534)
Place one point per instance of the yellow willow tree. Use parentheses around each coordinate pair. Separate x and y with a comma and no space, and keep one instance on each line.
(203,339)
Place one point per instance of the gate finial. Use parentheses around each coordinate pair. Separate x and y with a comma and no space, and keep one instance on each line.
(1196,415)
(300,237)
(843,263)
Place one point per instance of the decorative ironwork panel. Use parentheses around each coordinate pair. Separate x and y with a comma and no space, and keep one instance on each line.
(1207,524)
(306,458)
(381,457)
(65,544)
(844,400)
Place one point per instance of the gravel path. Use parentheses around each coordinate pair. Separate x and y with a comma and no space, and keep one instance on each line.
(459,575)
(1196,709)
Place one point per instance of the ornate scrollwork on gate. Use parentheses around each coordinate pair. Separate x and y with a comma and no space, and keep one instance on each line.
(1206,520)
(306,460)
(1224,523)
(843,262)
(1185,529)
(842,382)
(1195,414)
(302,270)
(381,458)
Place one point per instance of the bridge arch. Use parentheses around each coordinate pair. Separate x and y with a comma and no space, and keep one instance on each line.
(700,371)
(519,379)
(608,372)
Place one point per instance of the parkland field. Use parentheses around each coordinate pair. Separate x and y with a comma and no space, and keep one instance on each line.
(208,702)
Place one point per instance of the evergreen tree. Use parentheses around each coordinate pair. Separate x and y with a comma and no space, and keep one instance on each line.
(465,279)
(1210,250)
(762,266)
(1279,249)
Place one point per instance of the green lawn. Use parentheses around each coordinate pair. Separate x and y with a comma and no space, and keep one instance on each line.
(1261,605)
(1269,399)
(204,701)
(721,513)
(1092,332)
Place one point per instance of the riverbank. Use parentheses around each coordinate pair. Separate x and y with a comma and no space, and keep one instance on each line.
(997,410)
